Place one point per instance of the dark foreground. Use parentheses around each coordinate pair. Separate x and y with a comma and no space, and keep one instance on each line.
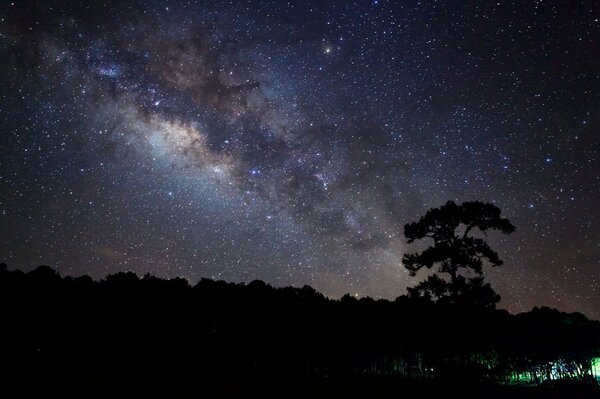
(136,337)
(158,384)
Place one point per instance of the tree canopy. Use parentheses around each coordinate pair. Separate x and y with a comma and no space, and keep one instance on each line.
(456,254)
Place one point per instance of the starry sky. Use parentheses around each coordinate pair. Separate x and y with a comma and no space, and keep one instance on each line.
(291,141)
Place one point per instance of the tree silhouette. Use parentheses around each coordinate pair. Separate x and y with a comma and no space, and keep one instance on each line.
(458,255)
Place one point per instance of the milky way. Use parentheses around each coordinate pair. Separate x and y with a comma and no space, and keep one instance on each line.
(291,142)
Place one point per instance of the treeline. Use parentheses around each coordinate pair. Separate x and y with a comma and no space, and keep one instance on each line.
(123,326)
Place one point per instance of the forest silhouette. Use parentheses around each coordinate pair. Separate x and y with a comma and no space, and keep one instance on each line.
(151,337)
(128,336)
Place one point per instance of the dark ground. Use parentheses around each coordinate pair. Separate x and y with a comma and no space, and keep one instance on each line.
(183,384)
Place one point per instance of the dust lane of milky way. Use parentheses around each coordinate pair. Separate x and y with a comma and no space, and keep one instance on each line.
(291,141)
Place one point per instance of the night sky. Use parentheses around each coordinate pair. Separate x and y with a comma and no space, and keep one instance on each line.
(291,141)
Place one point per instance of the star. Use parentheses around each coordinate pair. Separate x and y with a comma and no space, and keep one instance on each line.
(253,143)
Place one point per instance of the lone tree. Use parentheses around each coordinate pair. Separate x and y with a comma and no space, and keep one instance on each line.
(458,256)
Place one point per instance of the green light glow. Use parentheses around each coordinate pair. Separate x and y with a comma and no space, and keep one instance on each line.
(520,378)
(554,370)
(596,367)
